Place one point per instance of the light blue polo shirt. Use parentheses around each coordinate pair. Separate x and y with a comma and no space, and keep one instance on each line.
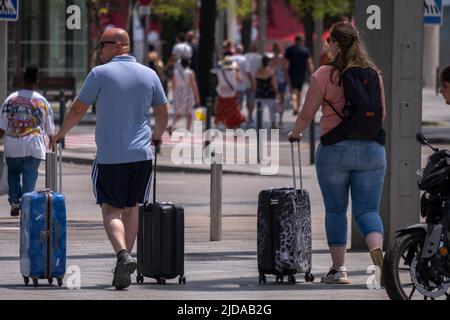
(123,92)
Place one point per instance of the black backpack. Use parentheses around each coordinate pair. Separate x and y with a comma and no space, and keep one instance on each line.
(362,116)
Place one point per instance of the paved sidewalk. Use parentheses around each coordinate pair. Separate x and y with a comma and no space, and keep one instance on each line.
(215,270)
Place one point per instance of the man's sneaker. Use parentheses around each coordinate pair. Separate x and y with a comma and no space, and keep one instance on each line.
(336,276)
(15,210)
(123,271)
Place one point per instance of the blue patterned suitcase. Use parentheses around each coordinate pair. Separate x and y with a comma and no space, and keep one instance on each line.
(43,237)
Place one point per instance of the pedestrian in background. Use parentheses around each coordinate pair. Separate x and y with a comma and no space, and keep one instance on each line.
(299,63)
(155,63)
(254,62)
(344,164)
(227,109)
(26,117)
(180,50)
(445,84)
(227,48)
(185,94)
(192,42)
(278,64)
(243,87)
(123,91)
(267,89)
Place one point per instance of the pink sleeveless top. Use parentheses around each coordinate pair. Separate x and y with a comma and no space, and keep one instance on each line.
(321,85)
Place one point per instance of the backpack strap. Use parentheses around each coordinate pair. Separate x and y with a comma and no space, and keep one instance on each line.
(329,103)
(226,80)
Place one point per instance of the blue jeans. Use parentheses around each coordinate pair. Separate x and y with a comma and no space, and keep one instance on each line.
(27,168)
(357,166)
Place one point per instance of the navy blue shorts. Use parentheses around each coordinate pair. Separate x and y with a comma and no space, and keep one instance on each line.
(297,83)
(122,185)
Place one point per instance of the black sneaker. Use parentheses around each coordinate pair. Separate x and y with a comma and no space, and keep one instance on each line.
(123,271)
(15,210)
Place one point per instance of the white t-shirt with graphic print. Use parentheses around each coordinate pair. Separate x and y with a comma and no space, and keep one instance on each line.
(26,117)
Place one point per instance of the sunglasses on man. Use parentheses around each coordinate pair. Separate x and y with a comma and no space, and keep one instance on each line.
(101,44)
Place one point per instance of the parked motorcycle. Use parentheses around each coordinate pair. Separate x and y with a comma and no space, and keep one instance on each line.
(417,262)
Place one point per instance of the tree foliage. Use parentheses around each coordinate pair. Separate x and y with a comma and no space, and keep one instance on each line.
(243,7)
(321,8)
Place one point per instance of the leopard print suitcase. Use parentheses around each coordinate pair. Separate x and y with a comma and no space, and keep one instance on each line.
(284,233)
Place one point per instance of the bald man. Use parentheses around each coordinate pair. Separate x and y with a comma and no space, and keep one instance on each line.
(123,91)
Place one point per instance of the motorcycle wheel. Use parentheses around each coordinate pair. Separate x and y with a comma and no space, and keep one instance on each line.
(397,265)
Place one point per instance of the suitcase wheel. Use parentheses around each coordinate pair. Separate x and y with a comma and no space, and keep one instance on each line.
(139,278)
(279,279)
(26,280)
(161,280)
(182,280)
(309,277)
(35,283)
(50,281)
(60,282)
(291,279)
(262,279)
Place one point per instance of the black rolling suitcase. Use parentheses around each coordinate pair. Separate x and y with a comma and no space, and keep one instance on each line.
(160,245)
(284,231)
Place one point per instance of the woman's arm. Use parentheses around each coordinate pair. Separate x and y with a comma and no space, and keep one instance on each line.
(313,100)
(274,84)
(383,99)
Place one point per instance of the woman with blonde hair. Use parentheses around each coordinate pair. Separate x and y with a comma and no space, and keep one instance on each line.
(351,156)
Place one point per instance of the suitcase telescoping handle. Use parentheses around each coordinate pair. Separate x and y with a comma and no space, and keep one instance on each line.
(299,165)
(157,144)
(53,169)
(154,177)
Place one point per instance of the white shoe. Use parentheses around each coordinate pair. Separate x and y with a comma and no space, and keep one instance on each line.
(336,276)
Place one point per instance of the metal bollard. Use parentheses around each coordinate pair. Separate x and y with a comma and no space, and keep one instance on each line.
(216,200)
(62,113)
(258,126)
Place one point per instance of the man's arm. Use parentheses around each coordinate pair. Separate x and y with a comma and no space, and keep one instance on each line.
(76,112)
(161,120)
(2,133)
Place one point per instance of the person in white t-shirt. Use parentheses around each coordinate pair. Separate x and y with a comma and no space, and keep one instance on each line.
(26,116)
(181,50)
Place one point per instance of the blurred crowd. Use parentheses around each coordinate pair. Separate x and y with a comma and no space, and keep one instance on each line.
(243,80)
